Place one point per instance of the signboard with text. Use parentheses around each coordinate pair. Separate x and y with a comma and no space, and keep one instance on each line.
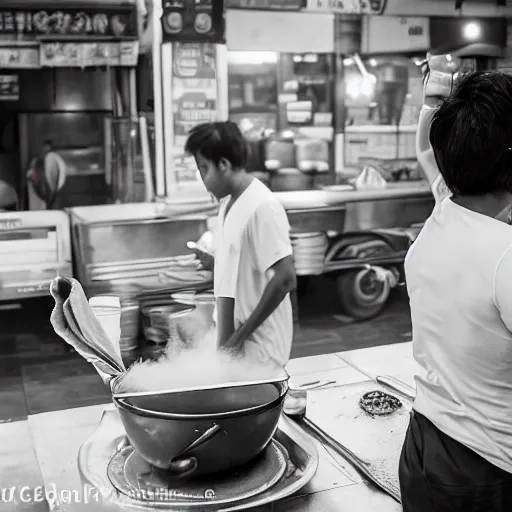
(389,34)
(120,54)
(9,88)
(194,97)
(117,21)
(271,5)
(347,6)
(19,58)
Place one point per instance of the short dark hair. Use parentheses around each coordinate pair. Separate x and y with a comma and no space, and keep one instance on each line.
(215,141)
(471,135)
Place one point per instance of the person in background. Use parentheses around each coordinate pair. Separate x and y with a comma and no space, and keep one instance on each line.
(47,175)
(253,265)
(8,195)
(457,454)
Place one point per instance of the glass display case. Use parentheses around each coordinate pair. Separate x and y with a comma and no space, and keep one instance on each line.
(383,98)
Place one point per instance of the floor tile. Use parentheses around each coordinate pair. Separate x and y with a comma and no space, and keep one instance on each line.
(313,364)
(7,345)
(13,405)
(19,468)
(62,385)
(336,377)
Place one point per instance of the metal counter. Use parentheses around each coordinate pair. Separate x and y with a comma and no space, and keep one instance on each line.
(123,243)
(398,205)
(34,248)
(43,450)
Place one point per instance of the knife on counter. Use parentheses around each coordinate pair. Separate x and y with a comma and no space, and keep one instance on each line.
(397,386)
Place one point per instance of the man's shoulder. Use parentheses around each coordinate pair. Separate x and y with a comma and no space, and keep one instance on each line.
(268,206)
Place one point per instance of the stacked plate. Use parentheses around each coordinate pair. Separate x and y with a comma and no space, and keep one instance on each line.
(181,322)
(309,252)
(130,325)
(129,321)
(160,322)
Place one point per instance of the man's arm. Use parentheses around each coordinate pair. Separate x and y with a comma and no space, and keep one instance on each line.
(225,319)
(271,246)
(437,86)
(424,151)
(283,281)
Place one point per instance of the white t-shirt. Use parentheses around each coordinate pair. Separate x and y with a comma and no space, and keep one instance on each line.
(459,276)
(251,238)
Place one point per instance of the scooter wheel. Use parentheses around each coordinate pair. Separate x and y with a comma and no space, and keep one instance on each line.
(362,297)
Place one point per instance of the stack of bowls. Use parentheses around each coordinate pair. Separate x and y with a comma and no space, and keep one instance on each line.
(309,252)
(164,322)
(120,317)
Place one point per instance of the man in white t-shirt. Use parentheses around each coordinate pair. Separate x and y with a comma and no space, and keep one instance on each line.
(253,268)
(457,455)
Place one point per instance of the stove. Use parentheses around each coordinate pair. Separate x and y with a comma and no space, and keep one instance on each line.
(108,463)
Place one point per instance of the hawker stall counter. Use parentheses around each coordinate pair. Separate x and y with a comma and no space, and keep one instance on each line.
(49,449)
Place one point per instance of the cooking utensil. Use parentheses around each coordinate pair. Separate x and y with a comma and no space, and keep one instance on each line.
(203,431)
(133,395)
(397,386)
(350,456)
(95,457)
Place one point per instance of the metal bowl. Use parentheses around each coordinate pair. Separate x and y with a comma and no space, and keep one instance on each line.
(200,432)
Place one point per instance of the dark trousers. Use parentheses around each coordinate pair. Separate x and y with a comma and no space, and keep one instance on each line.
(438,474)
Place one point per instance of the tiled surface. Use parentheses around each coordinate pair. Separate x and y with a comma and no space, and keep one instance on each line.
(19,470)
(13,405)
(314,364)
(68,382)
(388,360)
(336,377)
(57,437)
(354,498)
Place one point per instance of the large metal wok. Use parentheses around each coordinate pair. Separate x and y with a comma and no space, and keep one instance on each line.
(185,432)
(203,431)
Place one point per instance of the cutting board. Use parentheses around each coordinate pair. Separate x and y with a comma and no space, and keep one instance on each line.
(377,441)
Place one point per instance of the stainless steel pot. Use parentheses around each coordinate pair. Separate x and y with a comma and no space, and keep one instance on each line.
(201,432)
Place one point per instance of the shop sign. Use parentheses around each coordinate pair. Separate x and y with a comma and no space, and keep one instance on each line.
(19,58)
(201,21)
(264,5)
(347,6)
(9,224)
(9,88)
(194,96)
(89,54)
(27,290)
(388,34)
(64,22)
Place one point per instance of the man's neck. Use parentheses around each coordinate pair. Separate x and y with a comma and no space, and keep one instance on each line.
(240,181)
(492,205)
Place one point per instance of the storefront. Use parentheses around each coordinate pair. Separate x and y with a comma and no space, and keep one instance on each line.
(66,70)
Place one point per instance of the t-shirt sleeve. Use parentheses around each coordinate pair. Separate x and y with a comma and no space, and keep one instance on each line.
(270,235)
(503,288)
(227,267)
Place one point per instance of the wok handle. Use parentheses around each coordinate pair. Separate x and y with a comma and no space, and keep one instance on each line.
(183,467)
(205,436)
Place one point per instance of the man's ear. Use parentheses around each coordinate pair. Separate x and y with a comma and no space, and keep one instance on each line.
(224,165)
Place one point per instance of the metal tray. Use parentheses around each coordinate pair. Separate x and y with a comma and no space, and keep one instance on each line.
(109,437)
